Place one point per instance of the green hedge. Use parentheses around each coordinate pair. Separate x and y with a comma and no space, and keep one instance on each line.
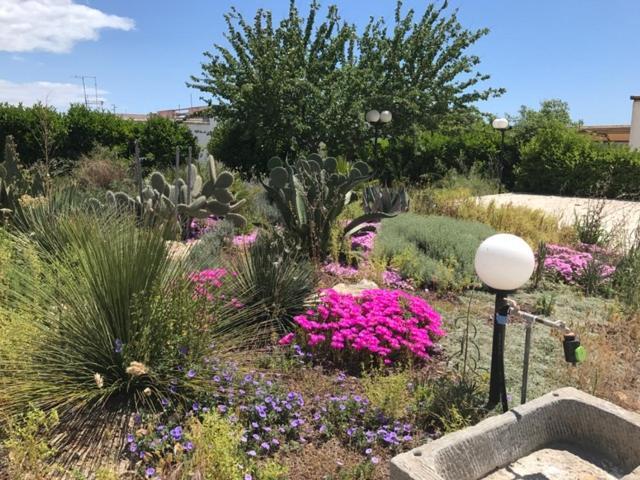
(434,251)
(78,130)
(563,160)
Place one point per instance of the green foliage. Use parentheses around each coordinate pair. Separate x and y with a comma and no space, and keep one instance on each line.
(625,278)
(27,445)
(287,89)
(450,401)
(44,134)
(388,393)
(103,332)
(278,281)
(557,158)
(589,227)
(434,251)
(545,304)
(217,452)
(311,195)
(531,224)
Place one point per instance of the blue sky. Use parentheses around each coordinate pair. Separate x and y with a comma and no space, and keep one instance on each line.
(586,52)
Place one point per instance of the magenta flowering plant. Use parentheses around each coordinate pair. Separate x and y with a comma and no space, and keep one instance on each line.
(570,264)
(245,240)
(378,325)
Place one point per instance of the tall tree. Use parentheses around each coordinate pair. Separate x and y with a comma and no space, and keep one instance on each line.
(291,88)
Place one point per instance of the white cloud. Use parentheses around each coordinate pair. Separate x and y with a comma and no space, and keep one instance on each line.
(58,95)
(52,25)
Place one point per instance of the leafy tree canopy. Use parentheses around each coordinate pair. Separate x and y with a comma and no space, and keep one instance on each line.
(292,88)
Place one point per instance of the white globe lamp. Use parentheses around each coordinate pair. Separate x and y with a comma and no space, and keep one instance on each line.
(504,262)
(500,124)
(385,116)
(373,116)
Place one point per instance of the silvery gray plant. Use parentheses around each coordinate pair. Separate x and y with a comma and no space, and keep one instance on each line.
(311,194)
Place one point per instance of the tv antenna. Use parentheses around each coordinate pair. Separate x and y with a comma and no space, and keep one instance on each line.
(89,101)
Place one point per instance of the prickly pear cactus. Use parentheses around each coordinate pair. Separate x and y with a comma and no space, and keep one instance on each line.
(162,202)
(311,193)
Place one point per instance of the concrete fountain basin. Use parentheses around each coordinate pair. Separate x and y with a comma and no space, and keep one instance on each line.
(563,435)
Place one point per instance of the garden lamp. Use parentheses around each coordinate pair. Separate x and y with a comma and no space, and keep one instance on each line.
(377,120)
(502,125)
(504,263)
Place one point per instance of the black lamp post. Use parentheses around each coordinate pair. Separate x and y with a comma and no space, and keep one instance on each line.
(502,125)
(504,262)
(377,120)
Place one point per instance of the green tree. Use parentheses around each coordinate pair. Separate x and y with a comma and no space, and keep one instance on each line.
(159,138)
(293,88)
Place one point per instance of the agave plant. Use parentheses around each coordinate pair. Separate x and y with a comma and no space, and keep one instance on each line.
(278,282)
(385,199)
(311,194)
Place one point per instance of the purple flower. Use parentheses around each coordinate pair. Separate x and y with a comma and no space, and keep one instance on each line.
(133,447)
(188,446)
(375,460)
(130,438)
(176,433)
(191,373)
(265,445)
(247,476)
(252,453)
(150,471)
(118,345)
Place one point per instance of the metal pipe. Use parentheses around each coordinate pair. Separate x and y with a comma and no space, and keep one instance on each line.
(525,364)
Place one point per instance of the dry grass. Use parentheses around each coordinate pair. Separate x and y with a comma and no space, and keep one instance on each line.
(612,368)
(99,169)
(531,224)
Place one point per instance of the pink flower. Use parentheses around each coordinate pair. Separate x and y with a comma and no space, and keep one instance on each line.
(245,240)
(287,339)
(386,324)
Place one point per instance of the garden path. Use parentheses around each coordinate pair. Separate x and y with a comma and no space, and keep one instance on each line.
(621,217)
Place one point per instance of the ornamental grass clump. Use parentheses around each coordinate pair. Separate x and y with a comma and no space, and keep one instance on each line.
(101,334)
(384,326)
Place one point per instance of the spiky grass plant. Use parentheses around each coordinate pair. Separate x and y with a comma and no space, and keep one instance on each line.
(114,327)
(278,282)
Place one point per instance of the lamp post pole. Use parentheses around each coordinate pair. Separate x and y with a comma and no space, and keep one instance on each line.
(497,383)
(502,125)
(504,263)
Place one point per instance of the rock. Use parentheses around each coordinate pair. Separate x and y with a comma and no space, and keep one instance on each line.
(355,288)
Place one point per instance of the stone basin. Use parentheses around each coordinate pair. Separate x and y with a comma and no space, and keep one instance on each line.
(563,435)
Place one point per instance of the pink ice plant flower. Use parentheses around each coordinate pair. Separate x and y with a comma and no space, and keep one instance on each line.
(384,324)
(334,268)
(569,263)
(245,240)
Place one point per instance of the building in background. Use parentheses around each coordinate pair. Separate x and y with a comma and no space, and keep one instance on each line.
(195,119)
(620,134)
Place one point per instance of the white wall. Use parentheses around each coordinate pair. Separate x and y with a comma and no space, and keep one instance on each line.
(202,131)
(634,136)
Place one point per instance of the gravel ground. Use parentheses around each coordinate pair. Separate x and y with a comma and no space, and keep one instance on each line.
(621,217)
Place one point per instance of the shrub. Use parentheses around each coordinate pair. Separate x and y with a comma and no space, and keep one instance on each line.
(207,251)
(27,445)
(278,281)
(560,159)
(217,451)
(531,224)
(107,329)
(578,267)
(590,228)
(625,278)
(379,325)
(100,168)
(388,393)
(434,251)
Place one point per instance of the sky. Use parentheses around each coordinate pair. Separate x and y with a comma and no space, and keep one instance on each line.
(585,52)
